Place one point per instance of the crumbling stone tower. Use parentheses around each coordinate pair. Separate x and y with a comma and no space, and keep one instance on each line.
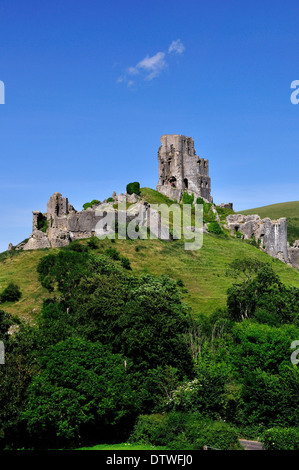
(181,170)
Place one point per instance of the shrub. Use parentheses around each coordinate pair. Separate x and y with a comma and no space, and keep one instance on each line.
(90,204)
(110,199)
(133,188)
(218,435)
(151,429)
(215,228)
(42,223)
(188,198)
(281,439)
(113,253)
(182,431)
(11,293)
(204,394)
(125,262)
(239,234)
(199,200)
(223,212)
(252,241)
(6,321)
(208,213)
(79,247)
(93,243)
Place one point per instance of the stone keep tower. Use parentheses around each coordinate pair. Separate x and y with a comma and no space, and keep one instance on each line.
(181,170)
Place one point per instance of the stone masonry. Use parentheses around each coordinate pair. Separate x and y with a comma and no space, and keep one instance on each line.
(63,224)
(293,254)
(271,235)
(181,170)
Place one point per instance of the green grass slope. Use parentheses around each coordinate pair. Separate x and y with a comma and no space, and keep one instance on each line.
(202,271)
(275,211)
(20,268)
(290,210)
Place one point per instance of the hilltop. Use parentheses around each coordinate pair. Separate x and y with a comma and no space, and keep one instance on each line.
(275,211)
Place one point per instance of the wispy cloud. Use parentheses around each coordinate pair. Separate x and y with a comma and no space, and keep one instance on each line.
(177,47)
(151,66)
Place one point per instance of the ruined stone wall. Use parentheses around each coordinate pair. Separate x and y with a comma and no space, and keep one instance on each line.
(271,235)
(293,254)
(65,224)
(180,169)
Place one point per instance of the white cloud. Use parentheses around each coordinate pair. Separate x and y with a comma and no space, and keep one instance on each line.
(151,66)
(133,70)
(177,47)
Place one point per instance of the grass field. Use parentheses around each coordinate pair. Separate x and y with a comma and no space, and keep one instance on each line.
(290,210)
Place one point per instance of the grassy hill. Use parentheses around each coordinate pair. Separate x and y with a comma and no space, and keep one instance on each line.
(202,271)
(275,211)
(290,210)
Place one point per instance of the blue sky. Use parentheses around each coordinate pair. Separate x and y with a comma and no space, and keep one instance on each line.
(90,86)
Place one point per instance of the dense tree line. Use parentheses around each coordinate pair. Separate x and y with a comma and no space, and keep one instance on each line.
(109,346)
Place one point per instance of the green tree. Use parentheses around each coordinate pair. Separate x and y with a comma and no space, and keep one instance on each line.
(244,269)
(11,293)
(15,377)
(271,399)
(278,438)
(82,391)
(214,227)
(133,188)
(261,294)
(6,321)
(142,318)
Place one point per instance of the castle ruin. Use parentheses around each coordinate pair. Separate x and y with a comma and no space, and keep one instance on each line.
(181,170)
